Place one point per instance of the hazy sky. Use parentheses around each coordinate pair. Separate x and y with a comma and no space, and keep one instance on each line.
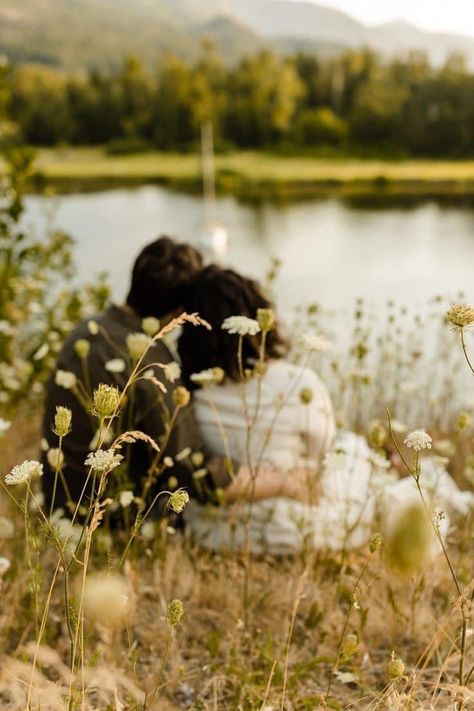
(438,15)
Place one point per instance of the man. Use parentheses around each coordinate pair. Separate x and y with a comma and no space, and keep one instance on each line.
(102,351)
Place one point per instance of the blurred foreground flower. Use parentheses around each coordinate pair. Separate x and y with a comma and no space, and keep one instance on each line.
(410,543)
(22,473)
(65,379)
(241,325)
(106,599)
(137,344)
(4,426)
(315,342)
(211,376)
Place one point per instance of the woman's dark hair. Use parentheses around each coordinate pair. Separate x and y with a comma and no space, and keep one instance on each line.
(161,277)
(215,295)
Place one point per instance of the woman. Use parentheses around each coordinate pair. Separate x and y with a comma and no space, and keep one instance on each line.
(253,406)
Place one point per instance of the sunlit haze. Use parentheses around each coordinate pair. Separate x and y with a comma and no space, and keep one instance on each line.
(437,15)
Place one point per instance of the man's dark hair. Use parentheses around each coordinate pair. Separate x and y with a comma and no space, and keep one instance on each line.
(216,294)
(161,277)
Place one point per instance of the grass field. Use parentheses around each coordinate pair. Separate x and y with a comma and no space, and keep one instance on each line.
(253,172)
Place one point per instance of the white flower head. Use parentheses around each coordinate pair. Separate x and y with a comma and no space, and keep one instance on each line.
(106,599)
(151,326)
(126,498)
(22,473)
(148,531)
(419,440)
(315,342)
(172,371)
(42,351)
(115,365)
(184,454)
(211,376)
(137,344)
(4,566)
(93,328)
(103,461)
(4,426)
(65,379)
(241,325)
(55,458)
(7,527)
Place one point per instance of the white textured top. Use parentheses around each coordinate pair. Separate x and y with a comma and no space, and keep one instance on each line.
(268,412)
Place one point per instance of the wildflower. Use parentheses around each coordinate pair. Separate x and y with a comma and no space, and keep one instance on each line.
(394,669)
(181,397)
(398,427)
(65,379)
(168,461)
(241,325)
(197,459)
(350,647)
(126,498)
(184,454)
(62,421)
(115,365)
(82,348)
(445,447)
(178,500)
(150,326)
(314,342)
(103,461)
(460,316)
(106,599)
(105,400)
(376,434)
(306,396)
(418,440)
(148,531)
(200,473)
(172,483)
(409,540)
(7,528)
(4,426)
(175,613)
(4,566)
(172,371)
(266,319)
(93,328)
(22,473)
(55,458)
(464,420)
(375,543)
(137,344)
(211,376)
(42,351)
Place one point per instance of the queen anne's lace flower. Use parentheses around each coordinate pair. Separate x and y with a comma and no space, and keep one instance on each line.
(418,440)
(460,316)
(211,376)
(126,498)
(315,342)
(22,473)
(103,461)
(65,379)
(137,344)
(115,365)
(241,325)
(55,458)
(93,328)
(172,371)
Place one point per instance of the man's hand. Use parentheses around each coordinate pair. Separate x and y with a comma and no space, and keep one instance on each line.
(269,482)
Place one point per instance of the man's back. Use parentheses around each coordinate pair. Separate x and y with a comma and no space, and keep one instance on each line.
(97,352)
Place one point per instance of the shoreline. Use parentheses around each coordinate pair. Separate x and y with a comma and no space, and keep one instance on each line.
(252,176)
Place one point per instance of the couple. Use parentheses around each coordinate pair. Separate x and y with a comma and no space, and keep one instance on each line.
(259,435)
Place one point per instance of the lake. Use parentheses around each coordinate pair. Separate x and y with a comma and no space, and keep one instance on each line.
(332,252)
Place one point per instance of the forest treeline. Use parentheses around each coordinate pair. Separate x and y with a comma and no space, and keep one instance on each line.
(353,102)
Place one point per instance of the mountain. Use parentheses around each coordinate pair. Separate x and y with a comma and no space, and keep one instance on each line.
(76,34)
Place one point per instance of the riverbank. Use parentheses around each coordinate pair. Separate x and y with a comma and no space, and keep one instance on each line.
(253,174)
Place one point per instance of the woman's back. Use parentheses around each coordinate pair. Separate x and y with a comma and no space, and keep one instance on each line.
(284,417)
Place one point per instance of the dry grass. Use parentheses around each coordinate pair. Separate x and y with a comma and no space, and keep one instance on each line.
(226,657)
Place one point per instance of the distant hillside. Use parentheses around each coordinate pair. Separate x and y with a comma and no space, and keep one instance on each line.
(76,34)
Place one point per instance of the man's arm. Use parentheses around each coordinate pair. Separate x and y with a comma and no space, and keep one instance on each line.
(269,483)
